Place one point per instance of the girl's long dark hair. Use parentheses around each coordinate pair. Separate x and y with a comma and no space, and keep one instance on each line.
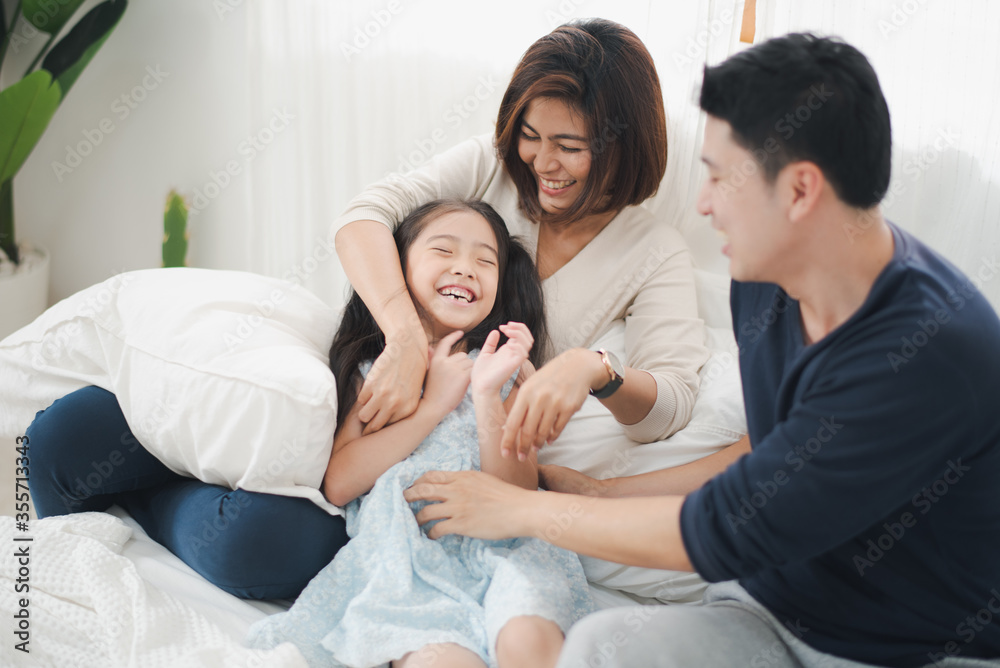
(519,299)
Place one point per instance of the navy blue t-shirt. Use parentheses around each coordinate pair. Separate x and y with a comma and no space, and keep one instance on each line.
(867,516)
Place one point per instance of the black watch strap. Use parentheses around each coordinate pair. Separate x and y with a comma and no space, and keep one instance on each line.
(610,362)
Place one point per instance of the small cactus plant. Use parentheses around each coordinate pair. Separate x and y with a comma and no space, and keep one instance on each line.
(175,236)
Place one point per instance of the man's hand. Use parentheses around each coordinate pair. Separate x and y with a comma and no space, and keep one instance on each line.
(471,503)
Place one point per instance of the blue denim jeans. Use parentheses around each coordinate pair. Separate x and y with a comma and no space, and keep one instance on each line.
(253,545)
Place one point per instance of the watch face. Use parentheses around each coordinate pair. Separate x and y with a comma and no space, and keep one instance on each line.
(616,364)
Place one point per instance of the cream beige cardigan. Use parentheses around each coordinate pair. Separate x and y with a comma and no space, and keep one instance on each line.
(637,269)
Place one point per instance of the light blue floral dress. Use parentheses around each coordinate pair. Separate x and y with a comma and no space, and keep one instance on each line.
(391,590)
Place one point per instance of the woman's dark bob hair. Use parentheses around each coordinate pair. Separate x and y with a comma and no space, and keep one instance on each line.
(602,70)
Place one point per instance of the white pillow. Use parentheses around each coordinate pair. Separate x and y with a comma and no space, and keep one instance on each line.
(222,375)
(712,291)
(593,442)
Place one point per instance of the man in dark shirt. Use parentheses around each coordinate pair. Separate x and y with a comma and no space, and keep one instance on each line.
(863,527)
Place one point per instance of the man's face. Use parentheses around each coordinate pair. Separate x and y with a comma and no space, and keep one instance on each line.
(743,206)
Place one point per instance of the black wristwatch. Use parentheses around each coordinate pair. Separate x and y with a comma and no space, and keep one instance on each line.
(615,370)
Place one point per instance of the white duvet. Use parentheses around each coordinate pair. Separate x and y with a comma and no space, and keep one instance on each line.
(88,606)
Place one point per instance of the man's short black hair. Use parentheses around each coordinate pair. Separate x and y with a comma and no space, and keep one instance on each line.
(804,97)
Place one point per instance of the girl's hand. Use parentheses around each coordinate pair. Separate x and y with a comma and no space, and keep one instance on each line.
(547,400)
(448,375)
(391,390)
(494,367)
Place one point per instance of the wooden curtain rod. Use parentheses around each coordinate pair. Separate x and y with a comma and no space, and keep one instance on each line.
(749,21)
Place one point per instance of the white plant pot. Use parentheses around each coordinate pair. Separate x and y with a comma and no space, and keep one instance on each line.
(24,294)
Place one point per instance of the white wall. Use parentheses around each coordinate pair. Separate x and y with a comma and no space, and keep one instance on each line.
(105,215)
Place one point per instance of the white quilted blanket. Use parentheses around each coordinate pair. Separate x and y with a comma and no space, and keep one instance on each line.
(88,607)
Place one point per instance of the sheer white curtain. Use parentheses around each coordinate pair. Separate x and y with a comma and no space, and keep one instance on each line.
(381,85)
(939,66)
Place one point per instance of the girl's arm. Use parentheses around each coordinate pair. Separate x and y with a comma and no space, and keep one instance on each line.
(359,459)
(491,370)
(490,416)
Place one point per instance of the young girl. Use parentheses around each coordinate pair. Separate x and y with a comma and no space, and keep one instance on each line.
(392,594)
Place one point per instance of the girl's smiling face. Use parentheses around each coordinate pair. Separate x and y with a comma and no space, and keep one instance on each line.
(452,272)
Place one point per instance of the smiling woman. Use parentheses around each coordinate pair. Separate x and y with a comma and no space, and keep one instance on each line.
(560,160)
(580,141)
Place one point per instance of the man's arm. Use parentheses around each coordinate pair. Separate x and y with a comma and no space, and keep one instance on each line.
(638,531)
(679,480)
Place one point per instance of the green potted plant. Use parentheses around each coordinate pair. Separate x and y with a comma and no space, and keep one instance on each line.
(26,107)
(175,234)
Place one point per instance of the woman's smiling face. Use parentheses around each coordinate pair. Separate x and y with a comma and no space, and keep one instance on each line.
(554,145)
(452,272)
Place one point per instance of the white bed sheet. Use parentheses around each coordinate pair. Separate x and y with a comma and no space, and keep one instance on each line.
(105,595)
(165,571)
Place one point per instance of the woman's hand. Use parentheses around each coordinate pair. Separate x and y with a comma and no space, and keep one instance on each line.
(494,367)
(448,375)
(548,399)
(470,503)
(391,390)
(568,481)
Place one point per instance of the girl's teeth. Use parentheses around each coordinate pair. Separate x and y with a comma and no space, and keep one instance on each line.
(457,294)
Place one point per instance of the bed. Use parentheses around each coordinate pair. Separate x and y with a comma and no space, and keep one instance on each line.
(102,593)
